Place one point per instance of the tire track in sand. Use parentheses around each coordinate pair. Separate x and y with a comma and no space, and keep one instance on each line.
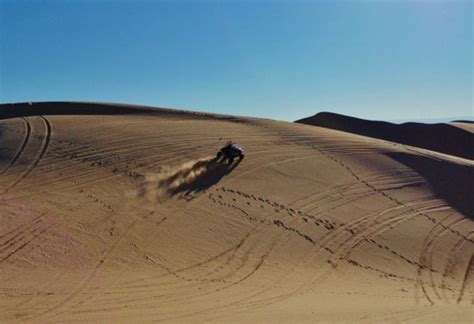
(45,144)
(467,276)
(452,260)
(54,310)
(426,255)
(21,237)
(26,137)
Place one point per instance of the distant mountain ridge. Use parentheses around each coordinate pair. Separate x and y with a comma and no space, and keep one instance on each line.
(466,119)
(439,137)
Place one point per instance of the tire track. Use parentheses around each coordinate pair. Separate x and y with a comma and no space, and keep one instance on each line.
(254,270)
(153,144)
(467,275)
(231,256)
(451,262)
(21,247)
(386,224)
(92,297)
(244,302)
(350,230)
(21,227)
(107,253)
(336,230)
(275,206)
(89,173)
(231,283)
(22,237)
(210,289)
(45,144)
(26,137)
(179,274)
(232,249)
(21,231)
(382,226)
(95,180)
(139,143)
(348,193)
(387,196)
(426,255)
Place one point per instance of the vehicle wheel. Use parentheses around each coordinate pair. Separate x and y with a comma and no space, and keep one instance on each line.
(241,157)
(231,159)
(218,156)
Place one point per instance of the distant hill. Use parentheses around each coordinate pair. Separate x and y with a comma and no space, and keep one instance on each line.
(440,137)
(464,119)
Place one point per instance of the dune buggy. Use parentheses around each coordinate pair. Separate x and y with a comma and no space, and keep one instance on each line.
(230,152)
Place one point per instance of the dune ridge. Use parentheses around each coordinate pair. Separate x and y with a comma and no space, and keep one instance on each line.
(444,138)
(116,214)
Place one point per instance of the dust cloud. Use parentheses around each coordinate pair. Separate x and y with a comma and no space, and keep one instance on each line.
(184,180)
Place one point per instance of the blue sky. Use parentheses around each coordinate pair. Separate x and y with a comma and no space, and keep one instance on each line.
(389,60)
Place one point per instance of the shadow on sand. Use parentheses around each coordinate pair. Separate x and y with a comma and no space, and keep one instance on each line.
(451,182)
(440,137)
(3,149)
(187,182)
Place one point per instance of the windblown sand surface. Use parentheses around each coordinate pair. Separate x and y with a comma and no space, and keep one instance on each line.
(121,217)
(449,138)
(467,126)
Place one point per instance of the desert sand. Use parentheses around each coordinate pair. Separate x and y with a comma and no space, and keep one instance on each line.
(113,213)
(451,138)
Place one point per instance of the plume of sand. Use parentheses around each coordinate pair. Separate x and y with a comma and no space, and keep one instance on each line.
(162,185)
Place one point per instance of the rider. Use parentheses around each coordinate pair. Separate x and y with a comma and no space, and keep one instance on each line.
(230,151)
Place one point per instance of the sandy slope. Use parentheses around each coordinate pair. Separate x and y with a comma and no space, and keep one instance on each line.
(467,126)
(449,138)
(119,217)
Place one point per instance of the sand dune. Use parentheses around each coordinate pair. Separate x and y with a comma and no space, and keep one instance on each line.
(464,125)
(117,214)
(453,138)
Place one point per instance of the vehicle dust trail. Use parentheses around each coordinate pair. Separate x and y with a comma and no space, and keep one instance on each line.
(188,178)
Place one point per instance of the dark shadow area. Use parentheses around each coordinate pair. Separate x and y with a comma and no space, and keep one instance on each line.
(88,108)
(463,121)
(189,182)
(64,108)
(26,109)
(442,138)
(451,182)
(3,149)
